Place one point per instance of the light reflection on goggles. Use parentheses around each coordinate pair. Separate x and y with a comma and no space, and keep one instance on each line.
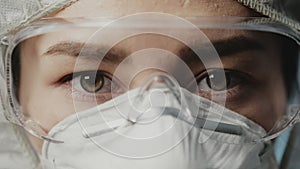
(199,41)
(167,85)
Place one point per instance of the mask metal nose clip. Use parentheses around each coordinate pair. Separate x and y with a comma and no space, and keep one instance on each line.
(145,109)
(142,104)
(162,83)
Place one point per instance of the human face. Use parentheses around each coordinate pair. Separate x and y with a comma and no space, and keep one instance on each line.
(254,91)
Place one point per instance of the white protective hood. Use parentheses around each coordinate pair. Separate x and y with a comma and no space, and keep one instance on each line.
(14,151)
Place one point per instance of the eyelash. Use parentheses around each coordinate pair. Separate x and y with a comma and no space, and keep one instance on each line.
(85,96)
(239,83)
(231,92)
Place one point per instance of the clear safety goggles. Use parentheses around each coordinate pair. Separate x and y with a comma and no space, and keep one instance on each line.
(57,67)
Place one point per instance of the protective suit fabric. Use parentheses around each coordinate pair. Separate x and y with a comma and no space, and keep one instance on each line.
(16,13)
(165,142)
(275,10)
(14,151)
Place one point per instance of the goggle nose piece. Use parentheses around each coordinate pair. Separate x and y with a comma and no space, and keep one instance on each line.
(165,85)
(144,109)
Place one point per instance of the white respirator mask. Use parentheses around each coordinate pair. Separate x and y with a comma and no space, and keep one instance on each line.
(157,126)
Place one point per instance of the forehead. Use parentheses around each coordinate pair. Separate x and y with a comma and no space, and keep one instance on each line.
(115,8)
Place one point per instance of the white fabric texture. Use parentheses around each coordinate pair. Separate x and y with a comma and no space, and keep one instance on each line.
(276,10)
(166,142)
(14,13)
(14,151)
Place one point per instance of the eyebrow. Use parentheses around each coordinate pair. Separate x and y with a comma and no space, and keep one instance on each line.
(86,51)
(237,44)
(230,46)
(224,47)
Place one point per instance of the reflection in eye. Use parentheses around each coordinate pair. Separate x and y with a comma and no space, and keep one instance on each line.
(91,82)
(90,85)
(217,80)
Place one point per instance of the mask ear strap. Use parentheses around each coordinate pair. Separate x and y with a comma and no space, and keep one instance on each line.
(36,130)
(291,155)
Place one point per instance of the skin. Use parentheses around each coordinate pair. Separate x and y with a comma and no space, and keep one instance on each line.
(260,97)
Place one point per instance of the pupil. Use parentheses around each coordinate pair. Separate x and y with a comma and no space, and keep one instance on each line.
(216,81)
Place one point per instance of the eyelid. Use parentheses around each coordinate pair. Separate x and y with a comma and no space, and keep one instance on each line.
(206,72)
(232,94)
(71,76)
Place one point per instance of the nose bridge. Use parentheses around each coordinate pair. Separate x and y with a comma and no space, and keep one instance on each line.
(159,91)
(144,76)
(148,40)
(157,84)
(136,69)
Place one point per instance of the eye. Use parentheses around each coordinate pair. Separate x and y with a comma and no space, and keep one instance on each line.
(92,82)
(220,80)
(91,86)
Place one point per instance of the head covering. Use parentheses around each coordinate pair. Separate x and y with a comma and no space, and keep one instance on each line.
(15,150)
(18,13)
(15,13)
(279,10)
